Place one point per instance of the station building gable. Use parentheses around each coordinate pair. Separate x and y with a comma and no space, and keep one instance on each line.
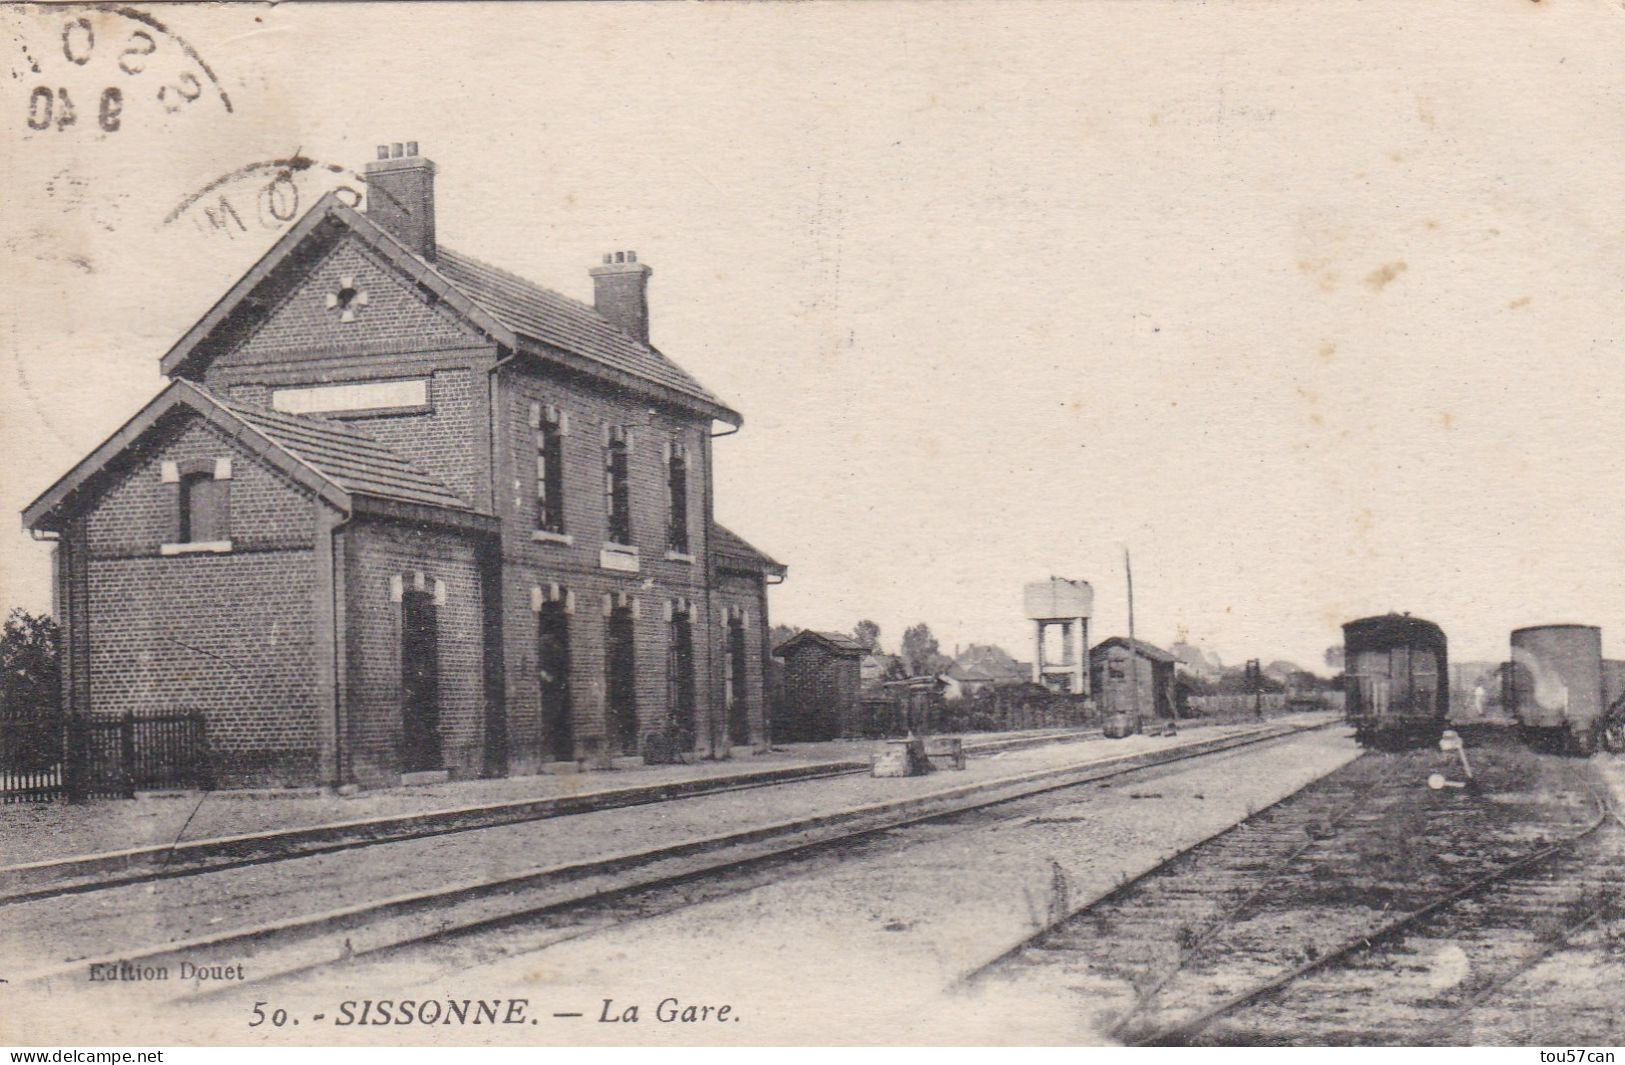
(472,532)
(348,301)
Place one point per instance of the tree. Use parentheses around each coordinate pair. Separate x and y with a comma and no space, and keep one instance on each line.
(867,633)
(30,690)
(1334,657)
(991,657)
(778,634)
(920,651)
(30,658)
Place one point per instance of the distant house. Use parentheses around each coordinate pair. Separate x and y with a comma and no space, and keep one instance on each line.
(982,666)
(876,668)
(1021,673)
(1120,671)
(1192,660)
(822,679)
(993,660)
(960,681)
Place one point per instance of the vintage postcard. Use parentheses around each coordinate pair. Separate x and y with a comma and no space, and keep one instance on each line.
(751,524)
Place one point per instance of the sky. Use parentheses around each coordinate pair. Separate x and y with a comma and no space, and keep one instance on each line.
(1315,308)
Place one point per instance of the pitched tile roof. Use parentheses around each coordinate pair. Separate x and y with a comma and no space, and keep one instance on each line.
(839,642)
(843,641)
(726,542)
(529,309)
(1147,650)
(353,460)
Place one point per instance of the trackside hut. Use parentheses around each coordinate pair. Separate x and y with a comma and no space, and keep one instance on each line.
(1114,663)
(401,515)
(822,682)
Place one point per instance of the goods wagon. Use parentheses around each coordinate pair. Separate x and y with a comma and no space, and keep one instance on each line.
(1557,685)
(1613,696)
(1395,679)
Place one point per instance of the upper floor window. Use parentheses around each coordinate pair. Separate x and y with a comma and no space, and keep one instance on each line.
(618,486)
(677,499)
(202,505)
(550,472)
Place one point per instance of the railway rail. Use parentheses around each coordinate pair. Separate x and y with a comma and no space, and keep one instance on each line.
(55,878)
(586,895)
(1495,929)
(1323,921)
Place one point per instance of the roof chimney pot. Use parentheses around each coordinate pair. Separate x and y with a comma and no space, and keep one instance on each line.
(621,292)
(400,196)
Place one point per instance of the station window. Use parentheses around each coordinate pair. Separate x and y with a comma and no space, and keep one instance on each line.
(202,515)
(620,668)
(618,487)
(550,477)
(420,681)
(735,691)
(202,508)
(677,499)
(680,691)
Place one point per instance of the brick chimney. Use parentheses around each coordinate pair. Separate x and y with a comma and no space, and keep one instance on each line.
(400,196)
(620,292)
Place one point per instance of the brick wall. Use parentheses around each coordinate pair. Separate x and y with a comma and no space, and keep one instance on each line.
(136,512)
(575,566)
(397,334)
(821,693)
(171,633)
(586,516)
(747,594)
(376,553)
(302,326)
(449,441)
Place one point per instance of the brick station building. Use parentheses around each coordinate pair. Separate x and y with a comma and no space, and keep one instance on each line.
(402,515)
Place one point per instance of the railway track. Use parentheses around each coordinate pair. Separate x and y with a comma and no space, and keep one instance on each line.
(1304,924)
(1418,978)
(48,879)
(584,896)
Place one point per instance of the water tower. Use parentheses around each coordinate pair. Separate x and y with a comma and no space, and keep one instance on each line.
(1060,611)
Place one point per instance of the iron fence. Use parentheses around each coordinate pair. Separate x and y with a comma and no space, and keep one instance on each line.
(46,755)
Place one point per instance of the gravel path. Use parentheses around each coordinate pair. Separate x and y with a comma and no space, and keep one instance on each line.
(93,925)
(31,832)
(863,951)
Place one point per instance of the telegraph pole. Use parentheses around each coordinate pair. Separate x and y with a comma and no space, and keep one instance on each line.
(1133,647)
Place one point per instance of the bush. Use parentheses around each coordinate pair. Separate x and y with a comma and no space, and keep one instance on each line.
(30,658)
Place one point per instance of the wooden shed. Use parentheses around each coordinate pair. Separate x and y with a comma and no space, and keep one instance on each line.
(821,686)
(1112,668)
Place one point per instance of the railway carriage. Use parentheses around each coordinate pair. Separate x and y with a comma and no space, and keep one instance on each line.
(1558,689)
(1395,679)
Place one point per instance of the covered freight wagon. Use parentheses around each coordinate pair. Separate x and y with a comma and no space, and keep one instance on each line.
(1557,684)
(1395,679)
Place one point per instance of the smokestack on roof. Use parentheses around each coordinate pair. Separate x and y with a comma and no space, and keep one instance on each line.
(400,196)
(621,292)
